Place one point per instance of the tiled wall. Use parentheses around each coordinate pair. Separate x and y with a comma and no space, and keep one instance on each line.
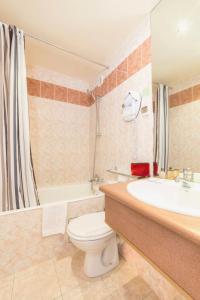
(59,127)
(183,122)
(138,59)
(60,141)
(185,96)
(50,91)
(184,136)
(122,142)
(60,130)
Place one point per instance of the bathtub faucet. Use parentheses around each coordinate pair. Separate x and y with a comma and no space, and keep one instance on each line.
(96,179)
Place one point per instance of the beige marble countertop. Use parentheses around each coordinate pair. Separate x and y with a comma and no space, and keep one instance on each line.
(186,226)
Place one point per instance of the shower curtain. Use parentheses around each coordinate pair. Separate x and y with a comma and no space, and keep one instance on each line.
(17,183)
(161,124)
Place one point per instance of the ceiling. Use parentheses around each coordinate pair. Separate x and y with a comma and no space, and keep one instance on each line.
(176,41)
(91,28)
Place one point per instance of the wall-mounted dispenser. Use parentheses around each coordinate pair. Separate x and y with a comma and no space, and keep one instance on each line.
(131,106)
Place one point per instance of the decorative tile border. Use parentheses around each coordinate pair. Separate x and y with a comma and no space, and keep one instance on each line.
(185,96)
(48,90)
(137,60)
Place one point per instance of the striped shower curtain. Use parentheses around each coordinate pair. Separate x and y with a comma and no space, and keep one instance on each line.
(17,184)
(161,130)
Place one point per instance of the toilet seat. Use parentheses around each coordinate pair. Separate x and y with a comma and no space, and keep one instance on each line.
(89,227)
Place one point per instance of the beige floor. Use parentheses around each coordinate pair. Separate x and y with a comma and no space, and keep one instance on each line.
(63,279)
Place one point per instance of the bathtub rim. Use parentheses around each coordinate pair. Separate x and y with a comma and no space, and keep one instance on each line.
(16,211)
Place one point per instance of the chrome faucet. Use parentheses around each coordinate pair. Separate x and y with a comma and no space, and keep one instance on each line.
(186,179)
(96,179)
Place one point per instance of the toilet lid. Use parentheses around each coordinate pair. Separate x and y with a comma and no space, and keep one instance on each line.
(89,226)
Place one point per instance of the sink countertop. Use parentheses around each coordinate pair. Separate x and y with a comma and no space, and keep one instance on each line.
(186,226)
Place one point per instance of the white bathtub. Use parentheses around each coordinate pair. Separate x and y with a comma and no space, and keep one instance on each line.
(80,198)
(69,193)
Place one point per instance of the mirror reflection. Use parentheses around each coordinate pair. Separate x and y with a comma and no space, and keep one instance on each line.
(176,84)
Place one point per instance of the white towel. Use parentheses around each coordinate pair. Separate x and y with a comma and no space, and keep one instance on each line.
(54,219)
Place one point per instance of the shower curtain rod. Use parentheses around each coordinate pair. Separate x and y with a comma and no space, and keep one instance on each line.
(157,83)
(63,49)
(66,51)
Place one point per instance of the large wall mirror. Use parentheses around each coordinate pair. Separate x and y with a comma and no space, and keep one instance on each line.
(176,78)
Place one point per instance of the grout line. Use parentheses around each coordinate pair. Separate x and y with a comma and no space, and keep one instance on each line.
(40,88)
(12,290)
(58,282)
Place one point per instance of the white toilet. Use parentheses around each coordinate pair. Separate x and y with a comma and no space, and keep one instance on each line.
(91,234)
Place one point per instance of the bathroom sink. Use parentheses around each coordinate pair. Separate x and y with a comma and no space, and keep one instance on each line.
(168,195)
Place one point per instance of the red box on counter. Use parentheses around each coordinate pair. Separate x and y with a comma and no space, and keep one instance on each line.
(143,169)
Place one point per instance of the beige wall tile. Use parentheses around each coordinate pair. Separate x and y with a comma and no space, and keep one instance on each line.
(122,142)
(183,138)
(60,142)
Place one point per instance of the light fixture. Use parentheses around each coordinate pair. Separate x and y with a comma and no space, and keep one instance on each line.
(182,26)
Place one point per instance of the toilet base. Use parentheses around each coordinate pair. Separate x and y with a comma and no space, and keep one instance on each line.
(100,262)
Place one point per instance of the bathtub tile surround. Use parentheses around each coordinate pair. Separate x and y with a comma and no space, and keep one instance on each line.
(51,91)
(48,75)
(59,129)
(63,278)
(60,142)
(122,143)
(185,96)
(79,208)
(137,60)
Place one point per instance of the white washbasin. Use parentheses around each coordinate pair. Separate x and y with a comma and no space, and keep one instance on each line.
(168,195)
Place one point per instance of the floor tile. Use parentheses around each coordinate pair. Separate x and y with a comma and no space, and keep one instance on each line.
(64,279)
(116,295)
(6,286)
(151,296)
(182,297)
(121,275)
(75,294)
(70,273)
(136,289)
(37,283)
(41,268)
